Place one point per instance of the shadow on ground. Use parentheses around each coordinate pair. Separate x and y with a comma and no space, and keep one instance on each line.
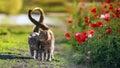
(9,56)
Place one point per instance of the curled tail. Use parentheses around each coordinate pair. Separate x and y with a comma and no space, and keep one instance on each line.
(41,14)
(40,22)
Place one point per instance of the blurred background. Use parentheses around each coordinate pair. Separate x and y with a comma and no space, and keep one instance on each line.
(15,28)
(15,11)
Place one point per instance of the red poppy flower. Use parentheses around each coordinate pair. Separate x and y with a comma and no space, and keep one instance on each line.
(108,1)
(118,31)
(91,32)
(117,3)
(67,35)
(80,8)
(83,38)
(93,10)
(83,33)
(68,9)
(96,15)
(102,11)
(107,11)
(79,40)
(107,17)
(99,23)
(94,25)
(69,21)
(111,7)
(77,35)
(117,13)
(118,9)
(108,30)
(85,17)
(105,6)
(86,20)
(80,37)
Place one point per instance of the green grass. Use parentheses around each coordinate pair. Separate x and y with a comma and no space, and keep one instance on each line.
(30,63)
(14,39)
(14,49)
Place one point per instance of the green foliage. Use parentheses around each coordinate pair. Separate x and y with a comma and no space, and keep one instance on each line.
(105,51)
(102,49)
(11,7)
(47,5)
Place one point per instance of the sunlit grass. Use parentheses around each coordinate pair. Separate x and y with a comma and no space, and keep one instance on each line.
(14,46)
(15,39)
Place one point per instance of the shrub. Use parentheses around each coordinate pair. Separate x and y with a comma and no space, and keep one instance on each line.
(94,31)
